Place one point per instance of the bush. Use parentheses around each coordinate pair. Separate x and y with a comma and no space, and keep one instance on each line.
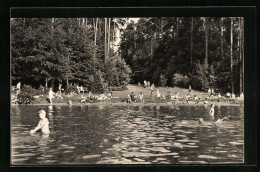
(98,85)
(117,72)
(180,80)
(26,95)
(204,76)
(71,88)
(163,80)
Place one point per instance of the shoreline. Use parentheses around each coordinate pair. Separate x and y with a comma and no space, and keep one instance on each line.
(132,104)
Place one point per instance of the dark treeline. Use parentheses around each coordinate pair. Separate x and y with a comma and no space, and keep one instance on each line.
(49,51)
(201,51)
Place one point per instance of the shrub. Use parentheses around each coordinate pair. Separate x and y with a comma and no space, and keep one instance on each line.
(204,76)
(117,72)
(71,88)
(97,86)
(163,80)
(180,80)
(26,95)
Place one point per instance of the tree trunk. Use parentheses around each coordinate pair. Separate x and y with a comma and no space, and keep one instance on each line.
(206,40)
(161,26)
(105,39)
(99,28)
(95,34)
(151,49)
(113,37)
(191,41)
(177,28)
(231,55)
(108,40)
(46,82)
(52,84)
(52,23)
(221,46)
(240,56)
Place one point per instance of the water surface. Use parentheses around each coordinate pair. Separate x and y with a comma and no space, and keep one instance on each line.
(127,135)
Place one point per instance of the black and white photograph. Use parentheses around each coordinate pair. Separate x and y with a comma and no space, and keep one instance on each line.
(116,90)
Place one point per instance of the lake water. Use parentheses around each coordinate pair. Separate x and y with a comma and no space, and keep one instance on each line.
(127,135)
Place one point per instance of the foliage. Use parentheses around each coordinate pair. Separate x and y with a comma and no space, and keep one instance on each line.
(53,50)
(26,95)
(117,72)
(176,45)
(71,88)
(180,80)
(163,80)
(204,76)
(97,86)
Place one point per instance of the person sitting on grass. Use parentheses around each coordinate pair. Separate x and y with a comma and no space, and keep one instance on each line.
(133,97)
(196,99)
(110,95)
(176,95)
(90,95)
(81,89)
(187,98)
(228,95)
(168,95)
(43,123)
(141,97)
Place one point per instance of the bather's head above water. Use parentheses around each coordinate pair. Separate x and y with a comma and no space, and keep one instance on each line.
(201,120)
(42,114)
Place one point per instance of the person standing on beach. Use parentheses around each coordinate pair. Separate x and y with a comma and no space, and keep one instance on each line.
(18,87)
(152,90)
(190,88)
(51,95)
(145,83)
(158,93)
(141,97)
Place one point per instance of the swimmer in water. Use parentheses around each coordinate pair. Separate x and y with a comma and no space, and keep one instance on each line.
(212,111)
(43,123)
(219,121)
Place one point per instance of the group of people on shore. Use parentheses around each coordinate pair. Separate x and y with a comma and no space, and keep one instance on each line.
(177,98)
(133,98)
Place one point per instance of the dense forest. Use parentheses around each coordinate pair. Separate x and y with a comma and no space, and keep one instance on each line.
(199,51)
(49,51)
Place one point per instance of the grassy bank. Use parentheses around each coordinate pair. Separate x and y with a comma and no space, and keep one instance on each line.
(121,96)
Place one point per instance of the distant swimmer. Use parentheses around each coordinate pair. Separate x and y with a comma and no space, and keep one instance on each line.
(212,111)
(43,123)
(70,102)
(219,121)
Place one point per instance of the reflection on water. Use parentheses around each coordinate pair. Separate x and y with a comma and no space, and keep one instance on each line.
(127,135)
